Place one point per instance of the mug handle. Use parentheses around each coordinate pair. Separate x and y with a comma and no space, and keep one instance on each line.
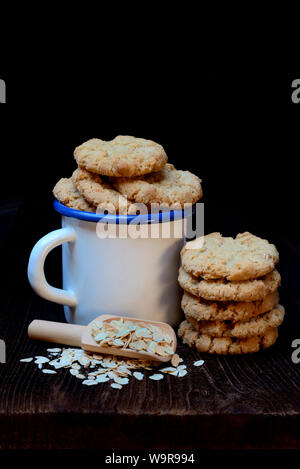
(36,274)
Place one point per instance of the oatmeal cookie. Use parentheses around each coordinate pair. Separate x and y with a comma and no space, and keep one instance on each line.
(226,345)
(123,156)
(222,290)
(166,187)
(214,256)
(201,310)
(101,194)
(242,329)
(67,194)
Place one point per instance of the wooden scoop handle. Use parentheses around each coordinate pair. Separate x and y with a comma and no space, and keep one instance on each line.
(60,333)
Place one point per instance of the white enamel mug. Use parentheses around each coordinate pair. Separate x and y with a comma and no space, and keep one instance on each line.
(112,265)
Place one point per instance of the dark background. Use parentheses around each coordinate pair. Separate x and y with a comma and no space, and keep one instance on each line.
(237,129)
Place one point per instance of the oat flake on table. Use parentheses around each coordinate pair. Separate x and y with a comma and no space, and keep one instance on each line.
(92,368)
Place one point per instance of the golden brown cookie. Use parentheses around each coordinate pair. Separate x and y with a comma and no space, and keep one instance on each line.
(67,194)
(201,309)
(225,345)
(123,156)
(222,290)
(166,187)
(242,329)
(100,194)
(214,256)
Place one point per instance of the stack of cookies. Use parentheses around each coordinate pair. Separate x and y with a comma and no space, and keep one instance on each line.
(230,295)
(116,176)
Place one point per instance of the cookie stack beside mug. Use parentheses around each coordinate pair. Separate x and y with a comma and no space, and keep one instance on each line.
(230,299)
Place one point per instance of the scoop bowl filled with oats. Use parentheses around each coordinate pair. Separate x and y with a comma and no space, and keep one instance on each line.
(113,335)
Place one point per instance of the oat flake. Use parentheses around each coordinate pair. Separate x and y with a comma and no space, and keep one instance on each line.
(199,363)
(156,377)
(116,386)
(135,336)
(138,375)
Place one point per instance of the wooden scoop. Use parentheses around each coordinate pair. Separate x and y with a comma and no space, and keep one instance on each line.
(81,336)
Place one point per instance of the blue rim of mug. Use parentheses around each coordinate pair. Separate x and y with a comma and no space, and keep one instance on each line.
(158,217)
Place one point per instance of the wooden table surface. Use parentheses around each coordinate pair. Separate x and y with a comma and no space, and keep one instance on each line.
(250,401)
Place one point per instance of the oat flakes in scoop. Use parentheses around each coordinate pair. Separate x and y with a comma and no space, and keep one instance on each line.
(140,336)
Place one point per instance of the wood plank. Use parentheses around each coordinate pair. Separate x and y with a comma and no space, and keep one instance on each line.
(232,402)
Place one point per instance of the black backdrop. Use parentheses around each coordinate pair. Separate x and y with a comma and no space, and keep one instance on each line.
(237,129)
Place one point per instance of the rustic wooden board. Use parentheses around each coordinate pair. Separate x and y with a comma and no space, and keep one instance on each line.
(231,402)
